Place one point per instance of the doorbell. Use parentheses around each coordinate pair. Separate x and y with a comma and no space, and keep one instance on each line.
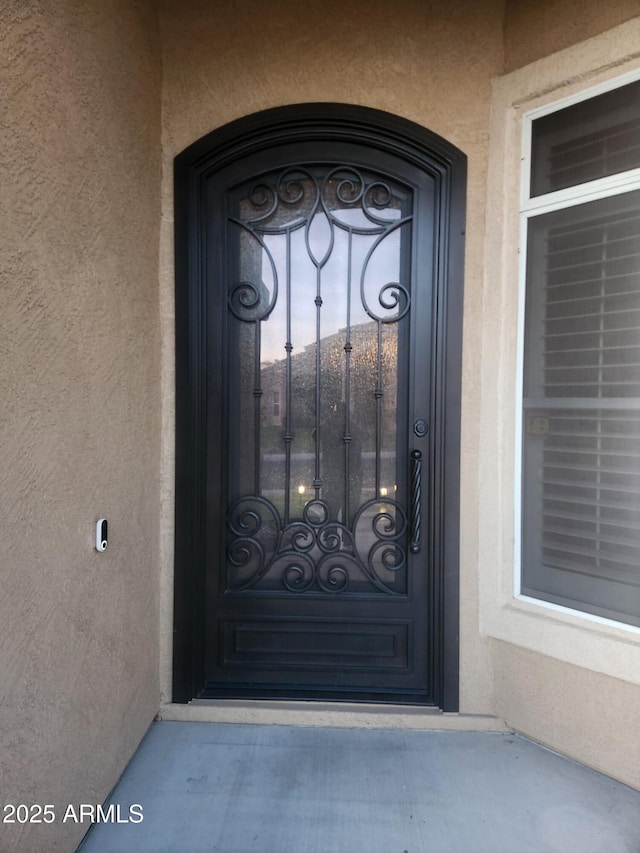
(101,534)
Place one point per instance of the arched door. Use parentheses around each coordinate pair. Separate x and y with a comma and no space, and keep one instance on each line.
(316,279)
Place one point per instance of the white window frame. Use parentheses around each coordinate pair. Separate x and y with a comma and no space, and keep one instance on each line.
(617,184)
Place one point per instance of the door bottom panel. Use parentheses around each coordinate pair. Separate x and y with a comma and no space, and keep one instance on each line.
(312,643)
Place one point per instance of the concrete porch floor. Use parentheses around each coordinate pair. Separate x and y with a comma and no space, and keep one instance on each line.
(287,789)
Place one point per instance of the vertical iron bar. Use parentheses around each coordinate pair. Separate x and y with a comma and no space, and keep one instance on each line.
(378,396)
(288,432)
(317,483)
(346,517)
(257,395)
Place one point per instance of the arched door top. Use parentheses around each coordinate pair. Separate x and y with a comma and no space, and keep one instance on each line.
(318,121)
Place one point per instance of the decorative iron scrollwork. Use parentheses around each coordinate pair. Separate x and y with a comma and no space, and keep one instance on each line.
(313,231)
(252,301)
(316,553)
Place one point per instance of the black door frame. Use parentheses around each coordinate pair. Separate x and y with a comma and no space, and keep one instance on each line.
(194,168)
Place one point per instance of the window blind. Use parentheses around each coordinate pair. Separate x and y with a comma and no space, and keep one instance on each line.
(581,445)
(585,141)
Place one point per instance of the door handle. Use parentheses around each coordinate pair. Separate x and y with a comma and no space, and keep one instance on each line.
(416,500)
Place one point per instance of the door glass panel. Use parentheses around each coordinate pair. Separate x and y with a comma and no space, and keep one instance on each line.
(319,300)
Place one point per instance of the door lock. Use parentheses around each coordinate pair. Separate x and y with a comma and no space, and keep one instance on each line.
(421,428)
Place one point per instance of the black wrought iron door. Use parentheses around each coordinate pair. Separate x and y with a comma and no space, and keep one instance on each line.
(316,333)
(323,580)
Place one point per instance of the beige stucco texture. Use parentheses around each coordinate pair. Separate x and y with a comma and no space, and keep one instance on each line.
(536,28)
(79,385)
(586,715)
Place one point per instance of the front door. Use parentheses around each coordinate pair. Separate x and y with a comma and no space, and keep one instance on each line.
(322,425)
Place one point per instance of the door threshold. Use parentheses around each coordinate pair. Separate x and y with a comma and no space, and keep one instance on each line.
(328,714)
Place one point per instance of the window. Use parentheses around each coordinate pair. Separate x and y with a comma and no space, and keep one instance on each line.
(581,372)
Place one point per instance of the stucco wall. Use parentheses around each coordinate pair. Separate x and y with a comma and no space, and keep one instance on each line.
(429,62)
(79,385)
(537,28)
(584,714)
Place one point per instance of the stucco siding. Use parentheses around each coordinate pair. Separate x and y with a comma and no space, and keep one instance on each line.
(537,28)
(583,714)
(79,384)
